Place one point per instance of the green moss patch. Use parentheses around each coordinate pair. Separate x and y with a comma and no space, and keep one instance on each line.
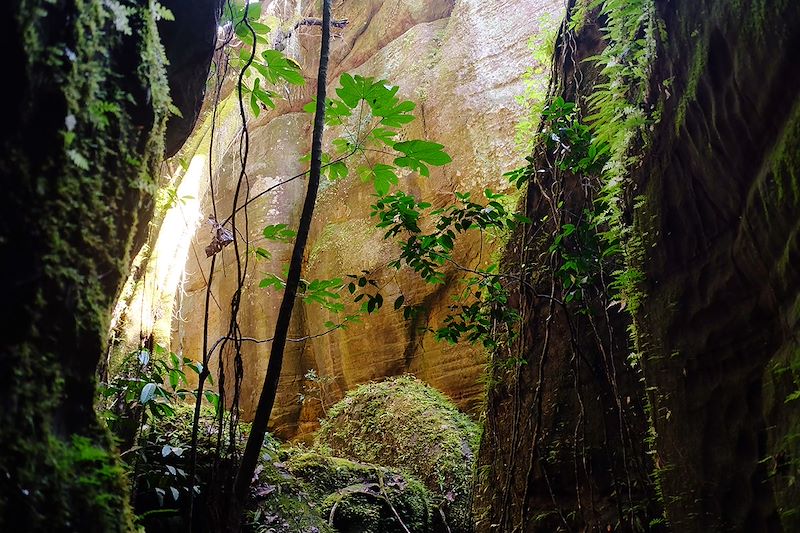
(358,497)
(313,492)
(404,423)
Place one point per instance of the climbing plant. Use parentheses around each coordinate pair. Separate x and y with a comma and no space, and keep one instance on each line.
(577,267)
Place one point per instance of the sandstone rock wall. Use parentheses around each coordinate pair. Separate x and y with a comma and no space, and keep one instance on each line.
(462,63)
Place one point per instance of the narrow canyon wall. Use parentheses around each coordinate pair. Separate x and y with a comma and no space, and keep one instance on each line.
(462,62)
(709,210)
(80,150)
(719,325)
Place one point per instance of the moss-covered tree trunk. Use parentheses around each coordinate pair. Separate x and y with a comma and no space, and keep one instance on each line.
(80,143)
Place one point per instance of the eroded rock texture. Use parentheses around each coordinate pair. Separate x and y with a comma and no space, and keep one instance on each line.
(719,325)
(462,63)
(564,441)
(717,329)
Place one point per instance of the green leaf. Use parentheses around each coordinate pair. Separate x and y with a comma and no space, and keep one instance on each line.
(254,107)
(353,89)
(260,29)
(418,152)
(262,95)
(272,281)
(383,177)
(212,398)
(399,302)
(279,232)
(174,110)
(148,391)
(395,114)
(279,68)
(311,106)
(80,161)
(196,366)
(793,396)
(337,170)
(343,145)
(164,13)
(384,135)
(254,11)
(244,34)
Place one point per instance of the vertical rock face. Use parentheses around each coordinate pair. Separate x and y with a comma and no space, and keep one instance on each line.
(715,177)
(462,63)
(563,446)
(189,47)
(79,149)
(719,325)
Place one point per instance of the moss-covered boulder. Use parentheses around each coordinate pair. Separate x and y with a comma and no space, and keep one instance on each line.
(363,498)
(282,502)
(404,423)
(310,492)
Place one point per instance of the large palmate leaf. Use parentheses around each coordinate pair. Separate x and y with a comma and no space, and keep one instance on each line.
(417,153)
(382,176)
(277,67)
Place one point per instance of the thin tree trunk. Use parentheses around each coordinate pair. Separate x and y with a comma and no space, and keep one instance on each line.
(268,392)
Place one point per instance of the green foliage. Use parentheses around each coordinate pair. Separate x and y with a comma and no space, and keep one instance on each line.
(278,68)
(261,67)
(418,153)
(571,142)
(159,463)
(481,313)
(617,118)
(147,398)
(483,307)
(425,253)
(371,113)
(279,233)
(315,387)
(154,381)
(93,471)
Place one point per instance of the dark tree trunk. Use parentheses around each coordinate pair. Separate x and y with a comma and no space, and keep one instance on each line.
(270,389)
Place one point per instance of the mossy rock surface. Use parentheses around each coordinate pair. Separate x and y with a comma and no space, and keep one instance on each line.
(405,424)
(315,493)
(358,497)
(282,503)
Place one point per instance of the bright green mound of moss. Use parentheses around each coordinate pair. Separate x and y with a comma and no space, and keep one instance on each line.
(404,423)
(315,493)
(363,498)
(282,502)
